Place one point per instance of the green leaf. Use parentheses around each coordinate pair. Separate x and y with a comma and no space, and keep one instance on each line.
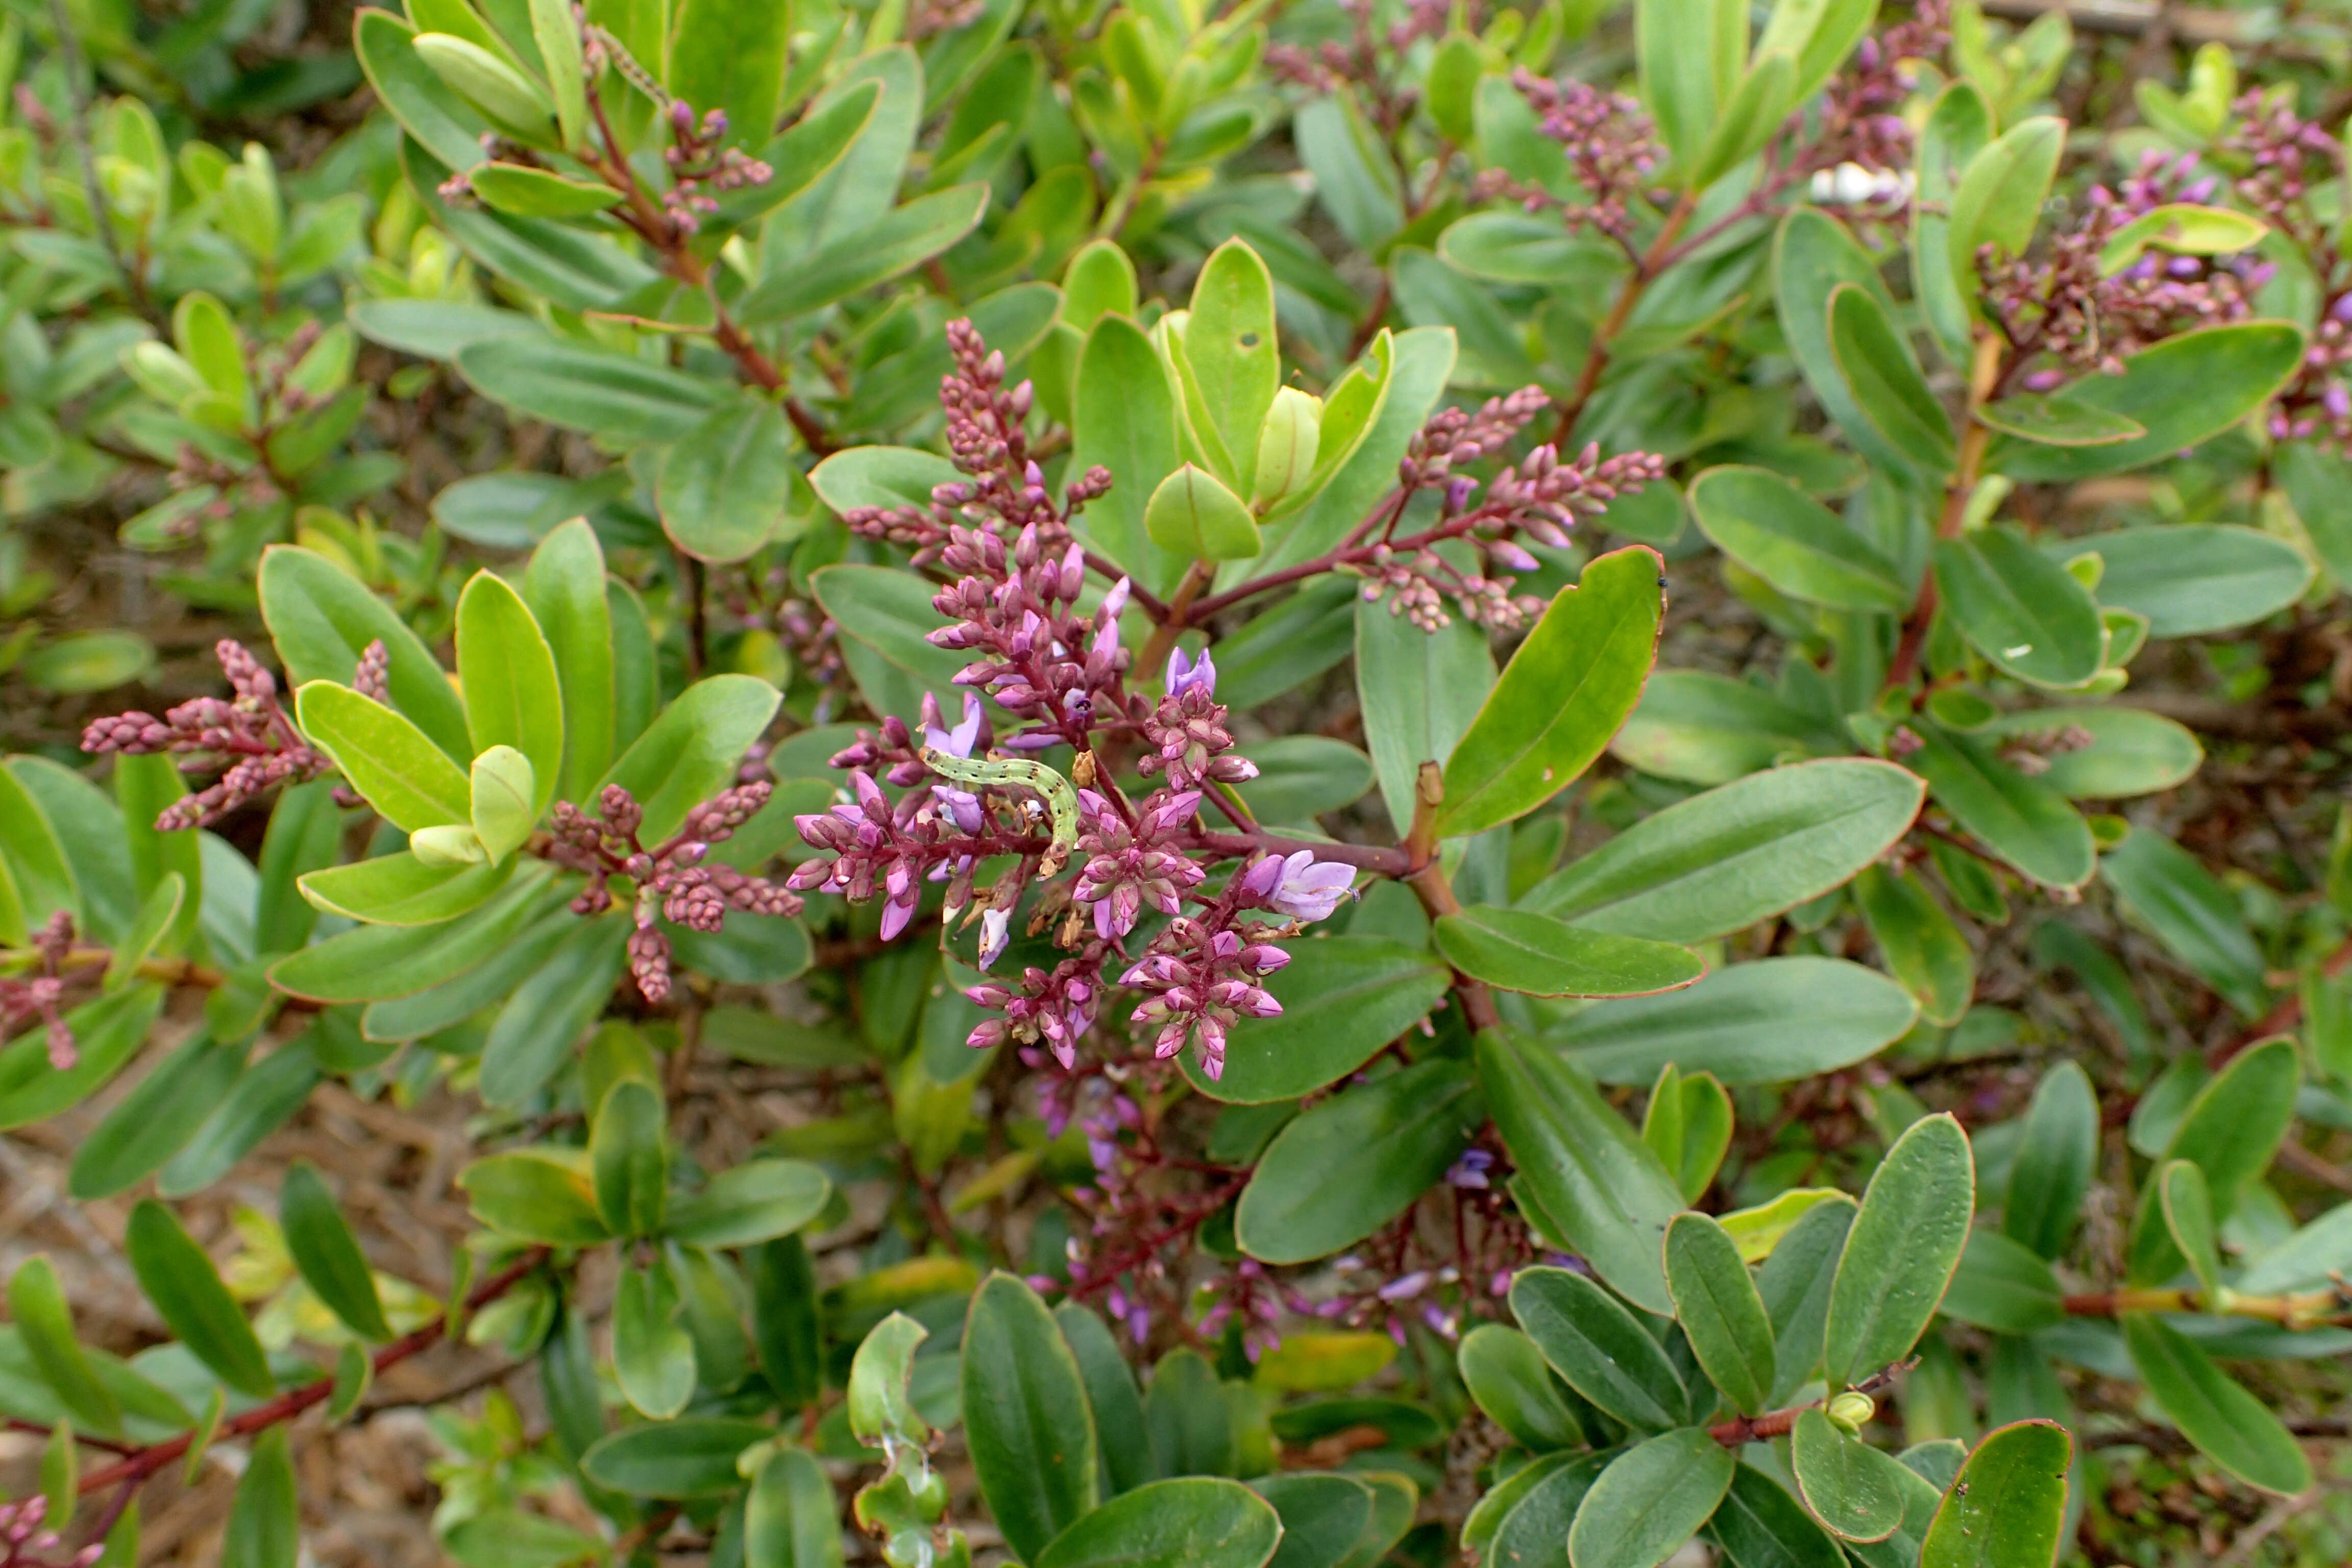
(1534,1526)
(1998,202)
(328,1255)
(2008,1507)
(1343,998)
(1355,178)
(629,402)
(1900,1255)
(265,1518)
(1689,54)
(513,696)
(724,487)
(790,1519)
(885,614)
(1760,1525)
(410,782)
(2004,1286)
(1518,950)
(1124,419)
(1797,1281)
(2233,1127)
(1193,515)
(511,100)
(259,1103)
(2168,893)
(2053,420)
(1324,1516)
(543,1196)
(1812,253)
(1599,1348)
(536,193)
(1418,692)
(2129,751)
(1959,123)
(653,1352)
(732,55)
(1719,862)
(2057,1155)
(1689,1123)
(1854,1488)
(904,238)
(1505,1374)
(2319,482)
(564,587)
(1031,1430)
(1878,365)
(37,1303)
(1189,1423)
(1794,542)
(187,1293)
(1301,777)
(106,1032)
(628,1144)
(2027,614)
(756,1201)
(402,891)
(450,128)
(880,476)
(150,1124)
(1753,113)
(1122,1442)
(2190,579)
(2183,227)
(2182,391)
(1650,1500)
(323,619)
(509,1537)
(2188,1216)
(2020,818)
(1717,1303)
(1709,729)
(1922,946)
(1233,357)
(1355,1161)
(1598,1186)
(377,962)
(694,1457)
(1562,697)
(1194,1522)
(691,751)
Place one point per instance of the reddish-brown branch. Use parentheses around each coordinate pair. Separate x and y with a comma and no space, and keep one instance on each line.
(139,1465)
(2282,1018)
(1778,1423)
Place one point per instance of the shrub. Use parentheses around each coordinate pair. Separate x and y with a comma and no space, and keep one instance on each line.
(1076,596)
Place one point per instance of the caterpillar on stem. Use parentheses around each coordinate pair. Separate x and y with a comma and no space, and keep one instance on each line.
(1061,800)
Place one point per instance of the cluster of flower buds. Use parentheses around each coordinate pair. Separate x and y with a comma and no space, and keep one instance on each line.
(249,737)
(1199,979)
(1862,114)
(2278,158)
(1188,730)
(27,1001)
(1360,61)
(2064,307)
(1015,609)
(1126,866)
(1051,1010)
(701,163)
(1610,143)
(25,1537)
(929,19)
(670,878)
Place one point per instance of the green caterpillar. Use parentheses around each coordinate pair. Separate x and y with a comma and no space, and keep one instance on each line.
(1061,800)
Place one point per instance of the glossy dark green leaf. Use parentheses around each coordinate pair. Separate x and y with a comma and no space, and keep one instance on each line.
(264,1517)
(731,55)
(725,485)
(689,1459)
(1760,1525)
(543,1196)
(1030,1429)
(2232,1427)
(1507,1376)
(2052,420)
(151,1123)
(1650,1500)
(790,1518)
(1562,697)
(2181,391)
(1812,253)
(2018,817)
(1342,999)
(1522,951)
(628,1141)
(1793,542)
(1122,1441)
(1716,1304)
(2057,1155)
(37,1308)
(2188,1210)
(402,891)
(2027,614)
(187,1293)
(1532,1530)
(1850,1487)
(885,616)
(1601,1190)
(904,238)
(449,126)
(328,1255)
(2167,891)
(375,962)
(691,751)
(1884,378)
(1419,690)
(547,1014)
(260,1102)
(1796,1283)
(1192,1520)
(1900,1253)
(2129,751)
(1689,1123)
(1768,1021)
(1193,515)
(653,1352)
(1919,941)
(1998,201)
(1599,1348)
(627,401)
(756,1201)
(2008,1507)
(2192,578)
(2004,1286)
(323,619)
(1188,1419)
(1323,1516)
(1722,860)
(1357,1160)
(1124,409)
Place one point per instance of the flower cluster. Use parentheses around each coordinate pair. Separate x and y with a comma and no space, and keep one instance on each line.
(2279,158)
(25,1534)
(1539,497)
(1361,61)
(249,737)
(1610,143)
(671,877)
(2063,307)
(26,1001)
(699,163)
(1861,114)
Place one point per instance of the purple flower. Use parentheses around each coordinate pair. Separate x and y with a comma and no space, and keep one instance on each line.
(1184,674)
(995,935)
(1310,890)
(1470,1171)
(962,806)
